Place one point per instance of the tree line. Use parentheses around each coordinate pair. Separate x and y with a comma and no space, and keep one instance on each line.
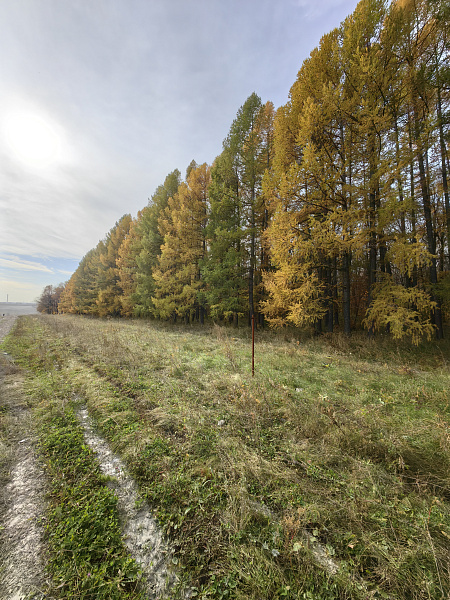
(332,211)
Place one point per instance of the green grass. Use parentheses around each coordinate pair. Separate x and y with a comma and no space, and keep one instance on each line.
(325,476)
(88,558)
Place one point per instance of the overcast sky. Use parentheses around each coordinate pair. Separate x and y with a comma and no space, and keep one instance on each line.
(101,99)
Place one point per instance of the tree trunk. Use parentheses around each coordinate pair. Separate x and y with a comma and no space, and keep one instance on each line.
(372,264)
(346,292)
(407,279)
(318,326)
(431,241)
(346,202)
(413,282)
(330,310)
(444,172)
(334,283)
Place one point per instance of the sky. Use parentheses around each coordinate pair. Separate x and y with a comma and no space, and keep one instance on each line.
(101,99)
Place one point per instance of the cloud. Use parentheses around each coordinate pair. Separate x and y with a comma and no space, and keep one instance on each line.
(314,10)
(133,89)
(65,272)
(19,291)
(17,284)
(23,265)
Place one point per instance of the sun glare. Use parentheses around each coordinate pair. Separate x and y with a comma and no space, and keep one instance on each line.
(33,139)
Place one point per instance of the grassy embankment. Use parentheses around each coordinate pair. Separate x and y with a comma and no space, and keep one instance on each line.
(324,477)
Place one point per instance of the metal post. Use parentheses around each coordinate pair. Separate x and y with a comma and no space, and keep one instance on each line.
(253,345)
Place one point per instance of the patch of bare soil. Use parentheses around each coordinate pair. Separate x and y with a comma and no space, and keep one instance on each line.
(22,493)
(142,535)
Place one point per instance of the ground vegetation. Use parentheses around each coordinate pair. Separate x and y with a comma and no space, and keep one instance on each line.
(325,476)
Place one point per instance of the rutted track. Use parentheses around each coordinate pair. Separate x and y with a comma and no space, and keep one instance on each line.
(141,533)
(23,506)
(22,500)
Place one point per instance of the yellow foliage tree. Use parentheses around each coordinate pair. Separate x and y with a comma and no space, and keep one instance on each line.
(109,292)
(404,312)
(178,283)
(126,265)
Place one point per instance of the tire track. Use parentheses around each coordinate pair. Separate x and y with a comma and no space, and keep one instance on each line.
(141,532)
(22,503)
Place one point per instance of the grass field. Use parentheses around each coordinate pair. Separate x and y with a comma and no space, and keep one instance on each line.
(326,476)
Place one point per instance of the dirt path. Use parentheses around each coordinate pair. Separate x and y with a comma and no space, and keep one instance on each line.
(142,536)
(22,498)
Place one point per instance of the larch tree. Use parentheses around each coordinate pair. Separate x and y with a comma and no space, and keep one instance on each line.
(127,253)
(50,298)
(109,291)
(151,242)
(416,50)
(178,282)
(85,282)
(351,188)
(67,299)
(313,226)
(239,213)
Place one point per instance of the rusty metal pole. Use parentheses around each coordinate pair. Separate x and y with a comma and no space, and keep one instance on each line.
(253,345)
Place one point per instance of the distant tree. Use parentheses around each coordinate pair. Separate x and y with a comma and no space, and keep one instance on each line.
(151,241)
(82,289)
(49,299)
(129,249)
(67,300)
(178,283)
(239,214)
(109,291)
(85,283)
